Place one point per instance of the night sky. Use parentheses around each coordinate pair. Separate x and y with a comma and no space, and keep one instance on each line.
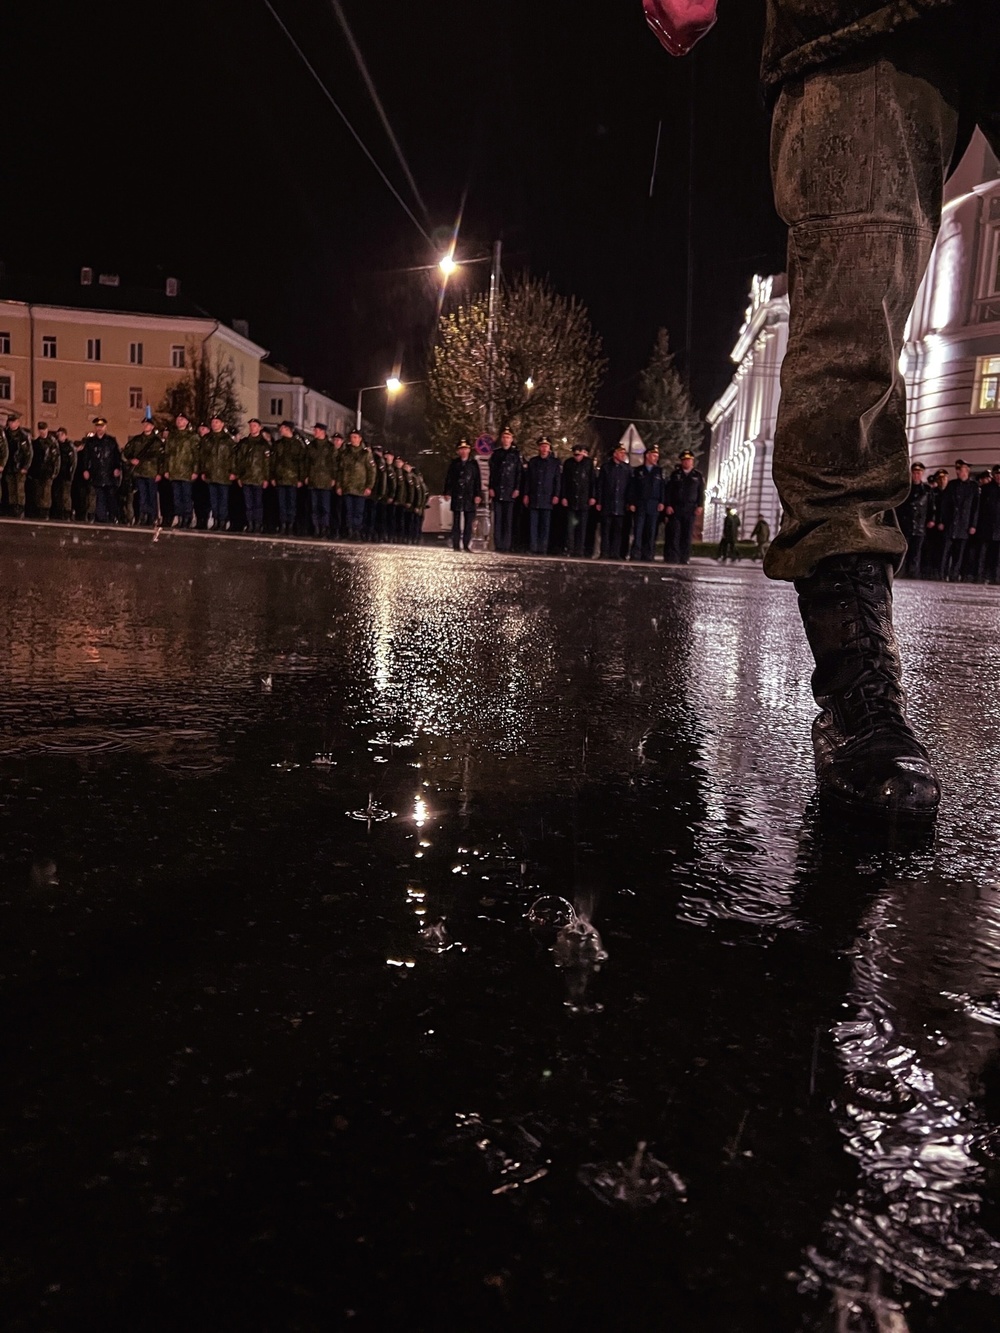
(189,140)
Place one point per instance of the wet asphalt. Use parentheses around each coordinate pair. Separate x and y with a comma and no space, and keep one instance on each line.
(400,938)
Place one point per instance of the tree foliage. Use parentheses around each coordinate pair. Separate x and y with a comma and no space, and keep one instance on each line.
(663,405)
(206,389)
(541,339)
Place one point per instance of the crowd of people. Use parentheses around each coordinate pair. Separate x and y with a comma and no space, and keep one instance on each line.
(952,525)
(547,506)
(282,482)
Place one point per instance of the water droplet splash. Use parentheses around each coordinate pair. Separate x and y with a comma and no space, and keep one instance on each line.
(639,1182)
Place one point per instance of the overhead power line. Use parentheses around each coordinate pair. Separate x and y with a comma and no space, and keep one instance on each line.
(354,134)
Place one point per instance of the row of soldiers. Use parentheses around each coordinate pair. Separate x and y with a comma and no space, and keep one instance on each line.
(952,525)
(324,485)
(628,504)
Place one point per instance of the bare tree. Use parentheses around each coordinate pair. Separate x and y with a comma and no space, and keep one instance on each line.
(206,389)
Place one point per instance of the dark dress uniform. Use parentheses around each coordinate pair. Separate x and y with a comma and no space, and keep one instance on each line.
(685,497)
(646,495)
(62,487)
(612,491)
(541,492)
(386,486)
(463,486)
(988,532)
(16,468)
(958,512)
(578,487)
(103,461)
(506,470)
(420,498)
(913,516)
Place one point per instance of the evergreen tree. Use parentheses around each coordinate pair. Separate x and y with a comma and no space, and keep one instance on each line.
(665,414)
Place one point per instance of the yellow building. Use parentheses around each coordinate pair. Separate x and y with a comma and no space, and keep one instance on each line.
(103,350)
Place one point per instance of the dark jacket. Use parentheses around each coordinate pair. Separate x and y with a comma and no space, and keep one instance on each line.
(67,460)
(506,466)
(914,513)
(959,508)
(686,492)
(612,488)
(463,484)
(541,481)
(18,449)
(578,482)
(321,463)
(646,489)
(988,526)
(44,458)
(102,459)
(216,459)
(252,460)
(803,34)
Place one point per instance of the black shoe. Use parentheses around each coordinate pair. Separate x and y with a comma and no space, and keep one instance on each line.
(867,757)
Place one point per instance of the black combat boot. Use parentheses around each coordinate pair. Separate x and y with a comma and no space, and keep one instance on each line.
(867,757)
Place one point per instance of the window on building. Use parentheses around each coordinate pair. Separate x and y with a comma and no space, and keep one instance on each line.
(177,357)
(277,407)
(48,391)
(135,354)
(4,344)
(92,395)
(135,398)
(93,349)
(49,347)
(987,396)
(6,388)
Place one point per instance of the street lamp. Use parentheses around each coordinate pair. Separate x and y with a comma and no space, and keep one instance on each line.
(392,386)
(448,265)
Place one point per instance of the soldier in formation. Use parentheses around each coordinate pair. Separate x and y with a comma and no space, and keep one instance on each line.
(463,486)
(45,465)
(952,525)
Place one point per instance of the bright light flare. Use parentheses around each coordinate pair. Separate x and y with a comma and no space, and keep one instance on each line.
(394,384)
(448,266)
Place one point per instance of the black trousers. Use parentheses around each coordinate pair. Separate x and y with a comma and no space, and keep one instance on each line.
(503,524)
(462,523)
(677,547)
(612,536)
(914,558)
(952,557)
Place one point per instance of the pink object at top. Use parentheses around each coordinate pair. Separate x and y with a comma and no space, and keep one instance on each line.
(679,24)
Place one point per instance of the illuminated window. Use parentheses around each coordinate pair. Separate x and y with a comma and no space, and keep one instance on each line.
(49,392)
(987,395)
(135,354)
(177,357)
(93,349)
(277,407)
(92,395)
(4,344)
(49,348)
(6,388)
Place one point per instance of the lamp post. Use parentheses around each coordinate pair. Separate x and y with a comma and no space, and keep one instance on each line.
(392,386)
(447,267)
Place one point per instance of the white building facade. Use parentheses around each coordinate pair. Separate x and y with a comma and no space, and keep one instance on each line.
(286,397)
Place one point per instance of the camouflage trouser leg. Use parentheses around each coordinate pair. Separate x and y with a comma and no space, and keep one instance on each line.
(43,498)
(15,493)
(90,502)
(860,151)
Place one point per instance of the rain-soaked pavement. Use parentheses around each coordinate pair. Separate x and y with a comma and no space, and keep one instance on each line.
(251,1080)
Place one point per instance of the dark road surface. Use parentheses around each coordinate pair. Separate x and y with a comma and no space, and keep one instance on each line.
(242,1091)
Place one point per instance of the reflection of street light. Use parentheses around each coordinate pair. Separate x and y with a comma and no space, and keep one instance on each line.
(392,385)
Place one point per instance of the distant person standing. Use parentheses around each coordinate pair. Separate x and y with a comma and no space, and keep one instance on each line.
(252,463)
(463,486)
(612,491)
(145,455)
(320,467)
(288,472)
(729,549)
(541,494)
(957,519)
(578,498)
(218,470)
(915,516)
(62,489)
(103,469)
(181,452)
(506,469)
(685,504)
(15,472)
(45,462)
(355,481)
(646,504)
(761,537)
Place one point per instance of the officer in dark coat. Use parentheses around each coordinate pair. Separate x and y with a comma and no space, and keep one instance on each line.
(506,468)
(541,494)
(62,487)
(646,504)
(44,470)
(986,544)
(914,517)
(463,486)
(612,492)
(578,497)
(685,504)
(957,520)
(15,472)
(103,469)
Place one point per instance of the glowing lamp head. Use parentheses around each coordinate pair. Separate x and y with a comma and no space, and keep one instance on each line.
(394,384)
(447,266)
